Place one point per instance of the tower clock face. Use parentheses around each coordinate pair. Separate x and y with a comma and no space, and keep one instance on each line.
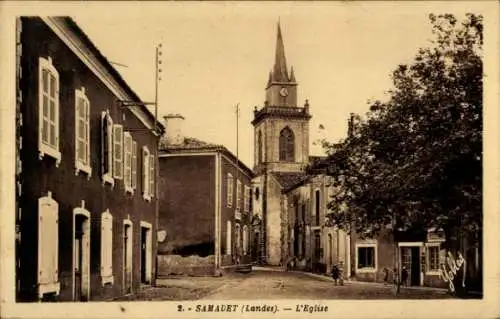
(283,91)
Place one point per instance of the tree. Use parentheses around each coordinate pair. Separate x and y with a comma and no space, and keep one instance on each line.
(415,161)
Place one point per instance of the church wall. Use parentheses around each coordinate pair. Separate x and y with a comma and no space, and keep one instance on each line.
(273,227)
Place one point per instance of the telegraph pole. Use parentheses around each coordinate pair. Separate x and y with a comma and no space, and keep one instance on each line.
(157,157)
(238,185)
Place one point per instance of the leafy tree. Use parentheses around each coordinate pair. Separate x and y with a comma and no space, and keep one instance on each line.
(415,160)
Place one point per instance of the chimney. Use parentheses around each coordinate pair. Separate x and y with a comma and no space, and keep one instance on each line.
(173,129)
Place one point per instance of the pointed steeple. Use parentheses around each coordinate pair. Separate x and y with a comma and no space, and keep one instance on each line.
(280,70)
(292,75)
(270,78)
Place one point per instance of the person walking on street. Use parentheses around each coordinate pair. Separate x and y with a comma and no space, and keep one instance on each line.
(386,276)
(335,273)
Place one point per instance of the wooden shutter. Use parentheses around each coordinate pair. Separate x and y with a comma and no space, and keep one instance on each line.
(118,151)
(151,175)
(145,171)
(48,241)
(107,245)
(87,133)
(134,164)
(128,160)
(149,255)
(228,238)
(104,144)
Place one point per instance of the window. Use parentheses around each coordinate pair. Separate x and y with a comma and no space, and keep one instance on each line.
(286,145)
(118,151)
(128,162)
(433,258)
(238,194)
(230,185)
(107,248)
(146,173)
(107,148)
(366,255)
(82,132)
(48,108)
(134,165)
(246,199)
(48,245)
(228,238)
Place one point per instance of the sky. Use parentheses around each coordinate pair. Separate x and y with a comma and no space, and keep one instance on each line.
(216,55)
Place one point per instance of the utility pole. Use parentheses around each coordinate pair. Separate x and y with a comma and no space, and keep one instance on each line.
(238,184)
(157,157)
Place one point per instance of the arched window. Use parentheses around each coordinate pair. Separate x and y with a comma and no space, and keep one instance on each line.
(286,146)
(259,148)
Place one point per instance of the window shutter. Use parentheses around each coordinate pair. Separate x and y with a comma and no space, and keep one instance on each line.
(145,171)
(78,127)
(151,175)
(149,255)
(118,151)
(228,238)
(134,164)
(128,160)
(104,144)
(110,246)
(87,132)
(107,245)
(48,233)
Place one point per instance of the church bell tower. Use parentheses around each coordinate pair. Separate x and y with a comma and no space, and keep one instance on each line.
(281,127)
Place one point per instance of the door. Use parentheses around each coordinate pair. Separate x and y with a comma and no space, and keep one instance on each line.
(127,256)
(143,254)
(410,259)
(78,265)
(415,267)
(317,251)
(81,244)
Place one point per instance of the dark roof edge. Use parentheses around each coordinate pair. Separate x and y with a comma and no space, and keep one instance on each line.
(114,73)
(207,149)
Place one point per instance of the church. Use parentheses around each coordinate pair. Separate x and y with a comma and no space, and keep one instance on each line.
(290,205)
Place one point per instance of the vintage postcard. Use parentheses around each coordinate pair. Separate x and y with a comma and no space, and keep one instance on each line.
(249,159)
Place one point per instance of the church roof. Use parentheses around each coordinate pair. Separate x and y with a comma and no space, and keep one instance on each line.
(280,72)
(289,179)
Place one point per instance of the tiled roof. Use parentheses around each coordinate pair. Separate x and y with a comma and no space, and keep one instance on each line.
(288,180)
(191,145)
(188,143)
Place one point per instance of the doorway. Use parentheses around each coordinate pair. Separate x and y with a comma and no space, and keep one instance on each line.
(410,259)
(81,258)
(146,253)
(127,258)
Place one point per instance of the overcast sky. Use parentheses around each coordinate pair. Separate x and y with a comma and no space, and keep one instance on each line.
(217,55)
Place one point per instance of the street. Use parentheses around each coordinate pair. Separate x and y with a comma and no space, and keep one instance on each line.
(261,284)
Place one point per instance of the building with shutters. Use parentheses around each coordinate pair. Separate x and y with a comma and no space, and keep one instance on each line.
(205,207)
(86,170)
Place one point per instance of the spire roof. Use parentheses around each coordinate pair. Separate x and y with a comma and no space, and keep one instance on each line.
(280,72)
(292,75)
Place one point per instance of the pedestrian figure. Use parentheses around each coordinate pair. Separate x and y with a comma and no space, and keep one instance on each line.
(341,273)
(335,273)
(386,275)
(404,276)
